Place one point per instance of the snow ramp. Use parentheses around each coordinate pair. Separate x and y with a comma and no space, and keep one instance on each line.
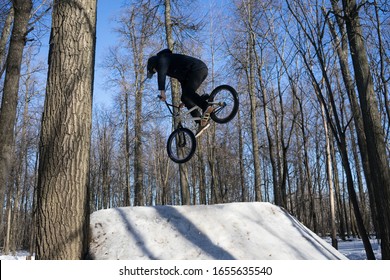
(235,231)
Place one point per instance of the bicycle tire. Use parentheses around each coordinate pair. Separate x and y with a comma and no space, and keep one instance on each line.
(181,150)
(229,96)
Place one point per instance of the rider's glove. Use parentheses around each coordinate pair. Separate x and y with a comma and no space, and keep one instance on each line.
(162,95)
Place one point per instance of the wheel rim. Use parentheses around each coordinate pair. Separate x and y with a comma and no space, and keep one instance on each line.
(181,146)
(225,104)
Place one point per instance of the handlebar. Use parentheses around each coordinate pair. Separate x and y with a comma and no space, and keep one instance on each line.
(171,105)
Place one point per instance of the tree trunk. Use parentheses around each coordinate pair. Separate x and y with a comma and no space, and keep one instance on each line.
(22,10)
(339,198)
(271,151)
(312,213)
(353,200)
(4,39)
(138,158)
(212,162)
(376,147)
(138,34)
(253,103)
(202,184)
(244,191)
(329,173)
(8,229)
(362,195)
(382,69)
(62,192)
(185,191)
(127,150)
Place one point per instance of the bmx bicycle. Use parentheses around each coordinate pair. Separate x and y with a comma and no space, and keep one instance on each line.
(181,144)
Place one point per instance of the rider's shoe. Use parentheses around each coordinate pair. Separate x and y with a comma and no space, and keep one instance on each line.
(206,116)
(201,129)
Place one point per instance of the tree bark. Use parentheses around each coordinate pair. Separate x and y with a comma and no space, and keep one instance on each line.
(4,39)
(22,10)
(62,192)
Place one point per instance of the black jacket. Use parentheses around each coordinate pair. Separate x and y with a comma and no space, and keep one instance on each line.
(177,66)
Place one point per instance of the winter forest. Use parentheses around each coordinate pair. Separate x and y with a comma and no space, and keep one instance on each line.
(312,134)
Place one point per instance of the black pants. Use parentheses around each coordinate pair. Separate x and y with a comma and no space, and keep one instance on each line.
(189,86)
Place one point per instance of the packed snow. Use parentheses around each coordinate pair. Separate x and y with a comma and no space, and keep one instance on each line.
(239,231)
(244,231)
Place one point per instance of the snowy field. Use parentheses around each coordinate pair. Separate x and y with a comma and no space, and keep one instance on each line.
(240,231)
(353,249)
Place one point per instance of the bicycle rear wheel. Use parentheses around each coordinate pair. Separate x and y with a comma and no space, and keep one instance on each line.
(181,145)
(225,101)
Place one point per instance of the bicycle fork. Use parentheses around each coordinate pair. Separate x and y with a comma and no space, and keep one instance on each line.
(181,137)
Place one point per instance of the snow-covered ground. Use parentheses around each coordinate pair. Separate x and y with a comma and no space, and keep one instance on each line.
(241,231)
(353,249)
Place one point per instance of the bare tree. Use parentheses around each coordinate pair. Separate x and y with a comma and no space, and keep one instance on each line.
(22,10)
(185,191)
(62,209)
(248,62)
(119,66)
(377,154)
(20,175)
(312,31)
(137,30)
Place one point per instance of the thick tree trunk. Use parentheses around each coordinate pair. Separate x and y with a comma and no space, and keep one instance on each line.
(62,210)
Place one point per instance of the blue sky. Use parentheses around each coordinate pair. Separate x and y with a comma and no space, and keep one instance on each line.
(105,37)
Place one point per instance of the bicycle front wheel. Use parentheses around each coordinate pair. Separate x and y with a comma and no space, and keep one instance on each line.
(181,145)
(224,98)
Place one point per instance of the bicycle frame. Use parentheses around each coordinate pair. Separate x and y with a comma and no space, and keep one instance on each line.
(182,116)
(186,116)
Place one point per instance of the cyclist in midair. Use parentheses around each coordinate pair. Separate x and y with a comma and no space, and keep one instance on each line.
(190,72)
